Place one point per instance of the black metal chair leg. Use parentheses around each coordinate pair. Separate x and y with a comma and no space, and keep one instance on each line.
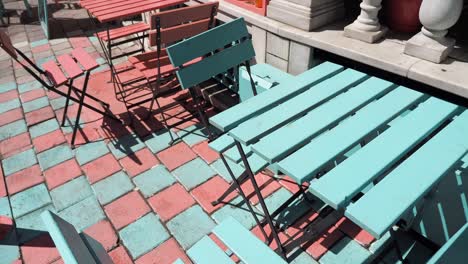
(67,101)
(80,107)
(201,115)
(241,179)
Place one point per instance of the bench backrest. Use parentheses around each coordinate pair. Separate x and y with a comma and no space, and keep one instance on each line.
(454,250)
(174,25)
(222,48)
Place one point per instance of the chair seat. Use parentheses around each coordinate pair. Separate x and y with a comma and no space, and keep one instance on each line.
(123,31)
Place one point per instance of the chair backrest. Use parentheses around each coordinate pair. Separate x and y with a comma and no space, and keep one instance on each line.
(221,48)
(174,25)
(7,46)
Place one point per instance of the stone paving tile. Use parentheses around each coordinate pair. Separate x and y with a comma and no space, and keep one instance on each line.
(54,156)
(29,86)
(15,145)
(91,151)
(103,232)
(193,135)
(70,193)
(44,128)
(10,116)
(159,140)
(9,105)
(171,201)
(19,162)
(5,87)
(355,232)
(139,162)
(48,141)
(83,214)
(31,95)
(324,243)
(126,209)
(120,256)
(101,168)
(5,207)
(221,170)
(210,191)
(176,155)
(39,115)
(29,200)
(112,187)
(36,104)
(8,96)
(194,173)
(28,226)
(62,173)
(125,146)
(39,250)
(346,251)
(24,179)
(143,235)
(12,129)
(166,253)
(154,180)
(190,226)
(205,152)
(239,211)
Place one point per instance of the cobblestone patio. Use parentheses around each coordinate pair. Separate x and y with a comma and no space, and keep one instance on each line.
(145,200)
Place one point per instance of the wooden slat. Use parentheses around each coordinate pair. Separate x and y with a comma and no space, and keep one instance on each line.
(215,64)
(150,55)
(244,244)
(234,155)
(123,31)
(381,207)
(303,164)
(254,128)
(454,250)
(256,105)
(206,251)
(120,6)
(207,42)
(69,66)
(350,177)
(54,73)
(87,62)
(177,33)
(280,143)
(222,143)
(179,16)
(6,44)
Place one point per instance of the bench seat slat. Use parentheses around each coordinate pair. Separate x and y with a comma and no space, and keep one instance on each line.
(206,251)
(83,58)
(304,163)
(69,65)
(222,143)
(244,244)
(280,143)
(340,185)
(234,155)
(254,128)
(54,72)
(380,208)
(454,250)
(256,105)
(123,31)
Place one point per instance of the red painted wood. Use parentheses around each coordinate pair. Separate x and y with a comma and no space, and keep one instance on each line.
(173,34)
(123,31)
(69,66)
(54,73)
(250,6)
(146,56)
(178,16)
(84,59)
(6,44)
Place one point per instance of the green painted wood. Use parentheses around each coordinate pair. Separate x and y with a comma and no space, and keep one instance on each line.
(222,143)
(340,185)
(202,44)
(256,105)
(206,251)
(71,247)
(303,164)
(282,142)
(254,128)
(244,244)
(381,207)
(234,155)
(215,64)
(256,163)
(454,250)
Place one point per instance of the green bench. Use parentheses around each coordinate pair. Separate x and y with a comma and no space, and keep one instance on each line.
(244,244)
(454,250)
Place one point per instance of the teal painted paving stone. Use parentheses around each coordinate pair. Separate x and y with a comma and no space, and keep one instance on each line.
(237,209)
(71,193)
(190,226)
(38,43)
(44,128)
(159,140)
(300,256)
(5,87)
(293,212)
(19,162)
(29,200)
(13,129)
(112,187)
(9,253)
(193,135)
(193,173)
(54,156)
(29,86)
(70,123)
(346,251)
(154,180)
(90,151)
(9,105)
(125,145)
(143,235)
(30,225)
(219,167)
(58,103)
(36,104)
(83,214)
(5,206)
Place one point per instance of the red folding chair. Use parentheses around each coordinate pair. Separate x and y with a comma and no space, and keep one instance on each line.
(63,72)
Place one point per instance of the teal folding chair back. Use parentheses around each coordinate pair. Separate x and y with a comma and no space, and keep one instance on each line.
(217,50)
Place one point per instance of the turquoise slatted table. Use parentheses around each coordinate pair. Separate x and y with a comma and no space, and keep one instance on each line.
(358,140)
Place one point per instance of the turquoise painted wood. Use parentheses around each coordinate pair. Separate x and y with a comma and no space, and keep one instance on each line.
(202,44)
(256,127)
(234,155)
(454,250)
(222,143)
(244,244)
(338,186)
(303,164)
(69,243)
(215,64)
(380,208)
(206,251)
(237,114)
(281,143)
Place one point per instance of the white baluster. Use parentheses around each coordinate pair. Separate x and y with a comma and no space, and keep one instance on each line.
(437,17)
(367,27)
